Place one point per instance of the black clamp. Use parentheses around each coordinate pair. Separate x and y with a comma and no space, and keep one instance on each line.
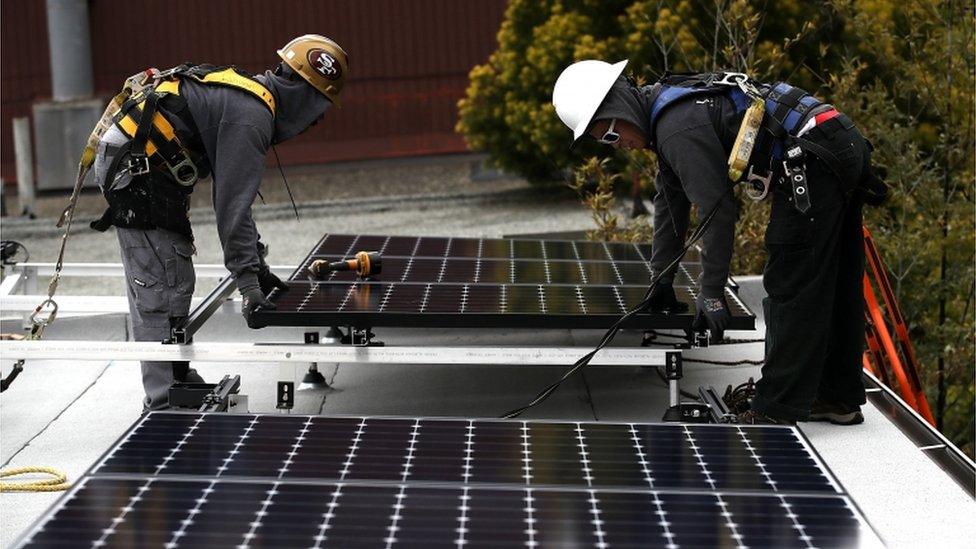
(795,171)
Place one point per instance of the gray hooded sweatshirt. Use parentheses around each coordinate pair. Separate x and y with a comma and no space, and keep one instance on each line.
(236,130)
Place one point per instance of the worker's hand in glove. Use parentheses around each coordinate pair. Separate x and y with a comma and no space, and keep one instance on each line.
(663,299)
(253,300)
(269,281)
(712,313)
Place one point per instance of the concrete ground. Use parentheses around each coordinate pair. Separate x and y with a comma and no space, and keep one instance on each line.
(66,414)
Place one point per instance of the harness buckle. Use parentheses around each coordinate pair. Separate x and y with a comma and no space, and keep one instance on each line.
(138,164)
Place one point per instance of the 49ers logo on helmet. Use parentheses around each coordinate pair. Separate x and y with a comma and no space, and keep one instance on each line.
(324,64)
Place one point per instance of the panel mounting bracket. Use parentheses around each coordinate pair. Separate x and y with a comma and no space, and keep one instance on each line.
(358,337)
(683,412)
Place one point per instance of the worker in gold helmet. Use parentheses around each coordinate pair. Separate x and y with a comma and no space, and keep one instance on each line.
(189,122)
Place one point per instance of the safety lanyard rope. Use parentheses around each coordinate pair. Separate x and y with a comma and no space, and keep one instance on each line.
(47,310)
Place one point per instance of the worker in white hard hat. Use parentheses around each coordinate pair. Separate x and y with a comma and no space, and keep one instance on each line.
(803,155)
(190,122)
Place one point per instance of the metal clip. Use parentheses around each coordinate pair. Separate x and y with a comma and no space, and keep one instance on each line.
(740,80)
(138,164)
(185,172)
(757,186)
(37,325)
(731,78)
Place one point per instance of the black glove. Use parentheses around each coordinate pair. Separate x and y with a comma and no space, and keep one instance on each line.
(664,300)
(873,189)
(712,313)
(269,281)
(253,300)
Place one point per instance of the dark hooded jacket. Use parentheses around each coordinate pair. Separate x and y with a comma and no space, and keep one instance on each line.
(236,131)
(692,140)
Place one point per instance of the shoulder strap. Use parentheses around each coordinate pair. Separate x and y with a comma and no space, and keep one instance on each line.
(227,75)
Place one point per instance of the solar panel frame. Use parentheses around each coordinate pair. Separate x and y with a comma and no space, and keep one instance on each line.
(266,511)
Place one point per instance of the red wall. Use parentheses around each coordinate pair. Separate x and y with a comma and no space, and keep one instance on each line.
(409,61)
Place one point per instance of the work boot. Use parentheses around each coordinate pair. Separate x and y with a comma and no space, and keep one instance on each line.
(752,417)
(836,413)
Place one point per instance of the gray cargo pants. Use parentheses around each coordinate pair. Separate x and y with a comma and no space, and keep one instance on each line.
(159,284)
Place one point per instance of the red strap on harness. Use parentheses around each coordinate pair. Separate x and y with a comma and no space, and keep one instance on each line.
(825,116)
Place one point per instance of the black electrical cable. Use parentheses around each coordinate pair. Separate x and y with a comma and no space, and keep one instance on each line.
(612,331)
(743,362)
(287,188)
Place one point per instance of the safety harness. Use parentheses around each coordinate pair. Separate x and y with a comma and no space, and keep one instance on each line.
(155,140)
(153,174)
(789,113)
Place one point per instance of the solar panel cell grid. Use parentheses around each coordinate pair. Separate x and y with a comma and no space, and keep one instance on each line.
(393,304)
(170,513)
(536,453)
(412,246)
(470,282)
(504,271)
(181,480)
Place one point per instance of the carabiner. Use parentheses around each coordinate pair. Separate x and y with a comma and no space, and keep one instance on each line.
(740,80)
(732,79)
(51,314)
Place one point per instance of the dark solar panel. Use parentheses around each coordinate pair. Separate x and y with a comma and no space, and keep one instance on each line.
(473,282)
(181,480)
(106,512)
(452,304)
(508,271)
(656,456)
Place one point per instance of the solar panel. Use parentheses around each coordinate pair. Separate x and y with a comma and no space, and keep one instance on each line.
(470,282)
(184,479)
(106,512)
(699,457)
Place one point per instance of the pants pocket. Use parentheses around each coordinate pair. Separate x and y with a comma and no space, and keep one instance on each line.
(184,278)
(149,296)
(789,243)
(145,274)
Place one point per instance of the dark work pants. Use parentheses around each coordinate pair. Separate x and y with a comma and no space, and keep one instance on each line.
(159,284)
(813,277)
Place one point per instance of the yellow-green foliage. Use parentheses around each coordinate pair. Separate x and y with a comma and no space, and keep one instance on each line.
(902,70)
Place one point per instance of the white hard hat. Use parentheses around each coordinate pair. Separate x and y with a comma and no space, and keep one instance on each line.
(580,90)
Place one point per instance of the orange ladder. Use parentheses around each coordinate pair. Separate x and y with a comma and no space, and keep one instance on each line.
(881,355)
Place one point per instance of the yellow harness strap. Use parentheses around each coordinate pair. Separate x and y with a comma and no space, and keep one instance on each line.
(226,77)
(128,125)
(230,77)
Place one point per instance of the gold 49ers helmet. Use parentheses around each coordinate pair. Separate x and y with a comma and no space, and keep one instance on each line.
(320,61)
